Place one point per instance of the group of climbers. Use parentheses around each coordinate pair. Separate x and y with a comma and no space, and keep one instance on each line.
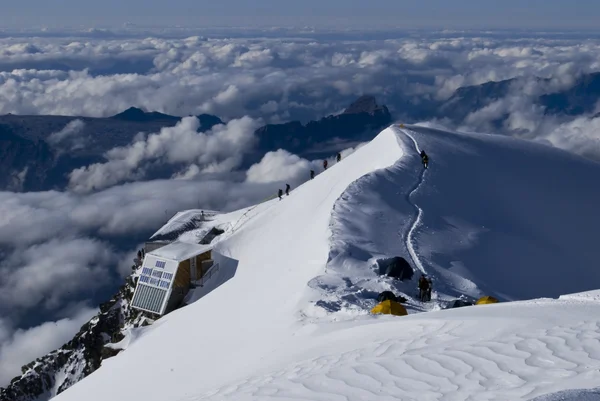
(338,157)
(287,191)
(312,175)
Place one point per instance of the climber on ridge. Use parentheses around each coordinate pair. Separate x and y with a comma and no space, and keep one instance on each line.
(280,193)
(339,157)
(424,158)
(312,174)
(287,189)
(423,288)
(324,164)
(429,288)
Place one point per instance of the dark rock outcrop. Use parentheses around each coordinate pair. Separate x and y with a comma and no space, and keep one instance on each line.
(468,99)
(81,356)
(360,122)
(580,99)
(138,115)
(577,100)
(366,104)
(25,162)
(32,164)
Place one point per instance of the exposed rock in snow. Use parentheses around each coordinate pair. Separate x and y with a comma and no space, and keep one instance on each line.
(55,372)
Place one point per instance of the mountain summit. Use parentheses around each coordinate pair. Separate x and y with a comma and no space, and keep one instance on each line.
(366,104)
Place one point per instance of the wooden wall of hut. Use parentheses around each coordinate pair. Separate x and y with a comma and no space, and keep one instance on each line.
(182,278)
(199,259)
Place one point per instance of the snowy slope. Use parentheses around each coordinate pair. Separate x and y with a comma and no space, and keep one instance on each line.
(259,335)
(279,246)
(517,218)
(184,221)
(492,216)
(513,351)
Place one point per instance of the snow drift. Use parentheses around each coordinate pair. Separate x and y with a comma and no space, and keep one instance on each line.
(481,220)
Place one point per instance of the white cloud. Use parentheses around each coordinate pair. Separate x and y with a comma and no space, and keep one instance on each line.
(280,166)
(581,135)
(47,274)
(237,76)
(20,347)
(70,136)
(219,150)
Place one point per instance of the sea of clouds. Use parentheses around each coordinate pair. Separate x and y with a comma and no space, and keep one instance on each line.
(63,251)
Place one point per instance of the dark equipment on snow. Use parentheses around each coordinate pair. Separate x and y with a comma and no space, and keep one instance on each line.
(396,267)
(312,174)
(389,296)
(386,296)
(459,303)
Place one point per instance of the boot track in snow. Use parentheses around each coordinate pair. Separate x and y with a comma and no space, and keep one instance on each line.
(409,236)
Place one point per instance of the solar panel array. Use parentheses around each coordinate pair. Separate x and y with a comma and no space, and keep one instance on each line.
(152,288)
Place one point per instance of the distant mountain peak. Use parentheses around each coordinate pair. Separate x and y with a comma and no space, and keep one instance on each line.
(130,112)
(136,114)
(365,104)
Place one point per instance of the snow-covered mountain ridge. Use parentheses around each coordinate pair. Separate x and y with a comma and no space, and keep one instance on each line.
(498,216)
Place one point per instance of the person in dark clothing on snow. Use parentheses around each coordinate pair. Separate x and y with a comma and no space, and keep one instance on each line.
(424,158)
(312,174)
(324,164)
(287,189)
(423,288)
(339,157)
(140,255)
(429,287)
(280,193)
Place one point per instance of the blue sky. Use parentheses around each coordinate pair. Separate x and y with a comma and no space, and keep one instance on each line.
(402,13)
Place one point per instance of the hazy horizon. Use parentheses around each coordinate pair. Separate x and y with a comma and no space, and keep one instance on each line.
(411,14)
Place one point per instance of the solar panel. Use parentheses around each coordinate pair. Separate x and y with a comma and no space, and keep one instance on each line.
(149,298)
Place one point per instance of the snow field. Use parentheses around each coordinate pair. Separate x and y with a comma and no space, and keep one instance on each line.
(498,352)
(497,229)
(251,317)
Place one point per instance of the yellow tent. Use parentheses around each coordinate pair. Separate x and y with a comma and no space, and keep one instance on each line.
(486,300)
(389,308)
